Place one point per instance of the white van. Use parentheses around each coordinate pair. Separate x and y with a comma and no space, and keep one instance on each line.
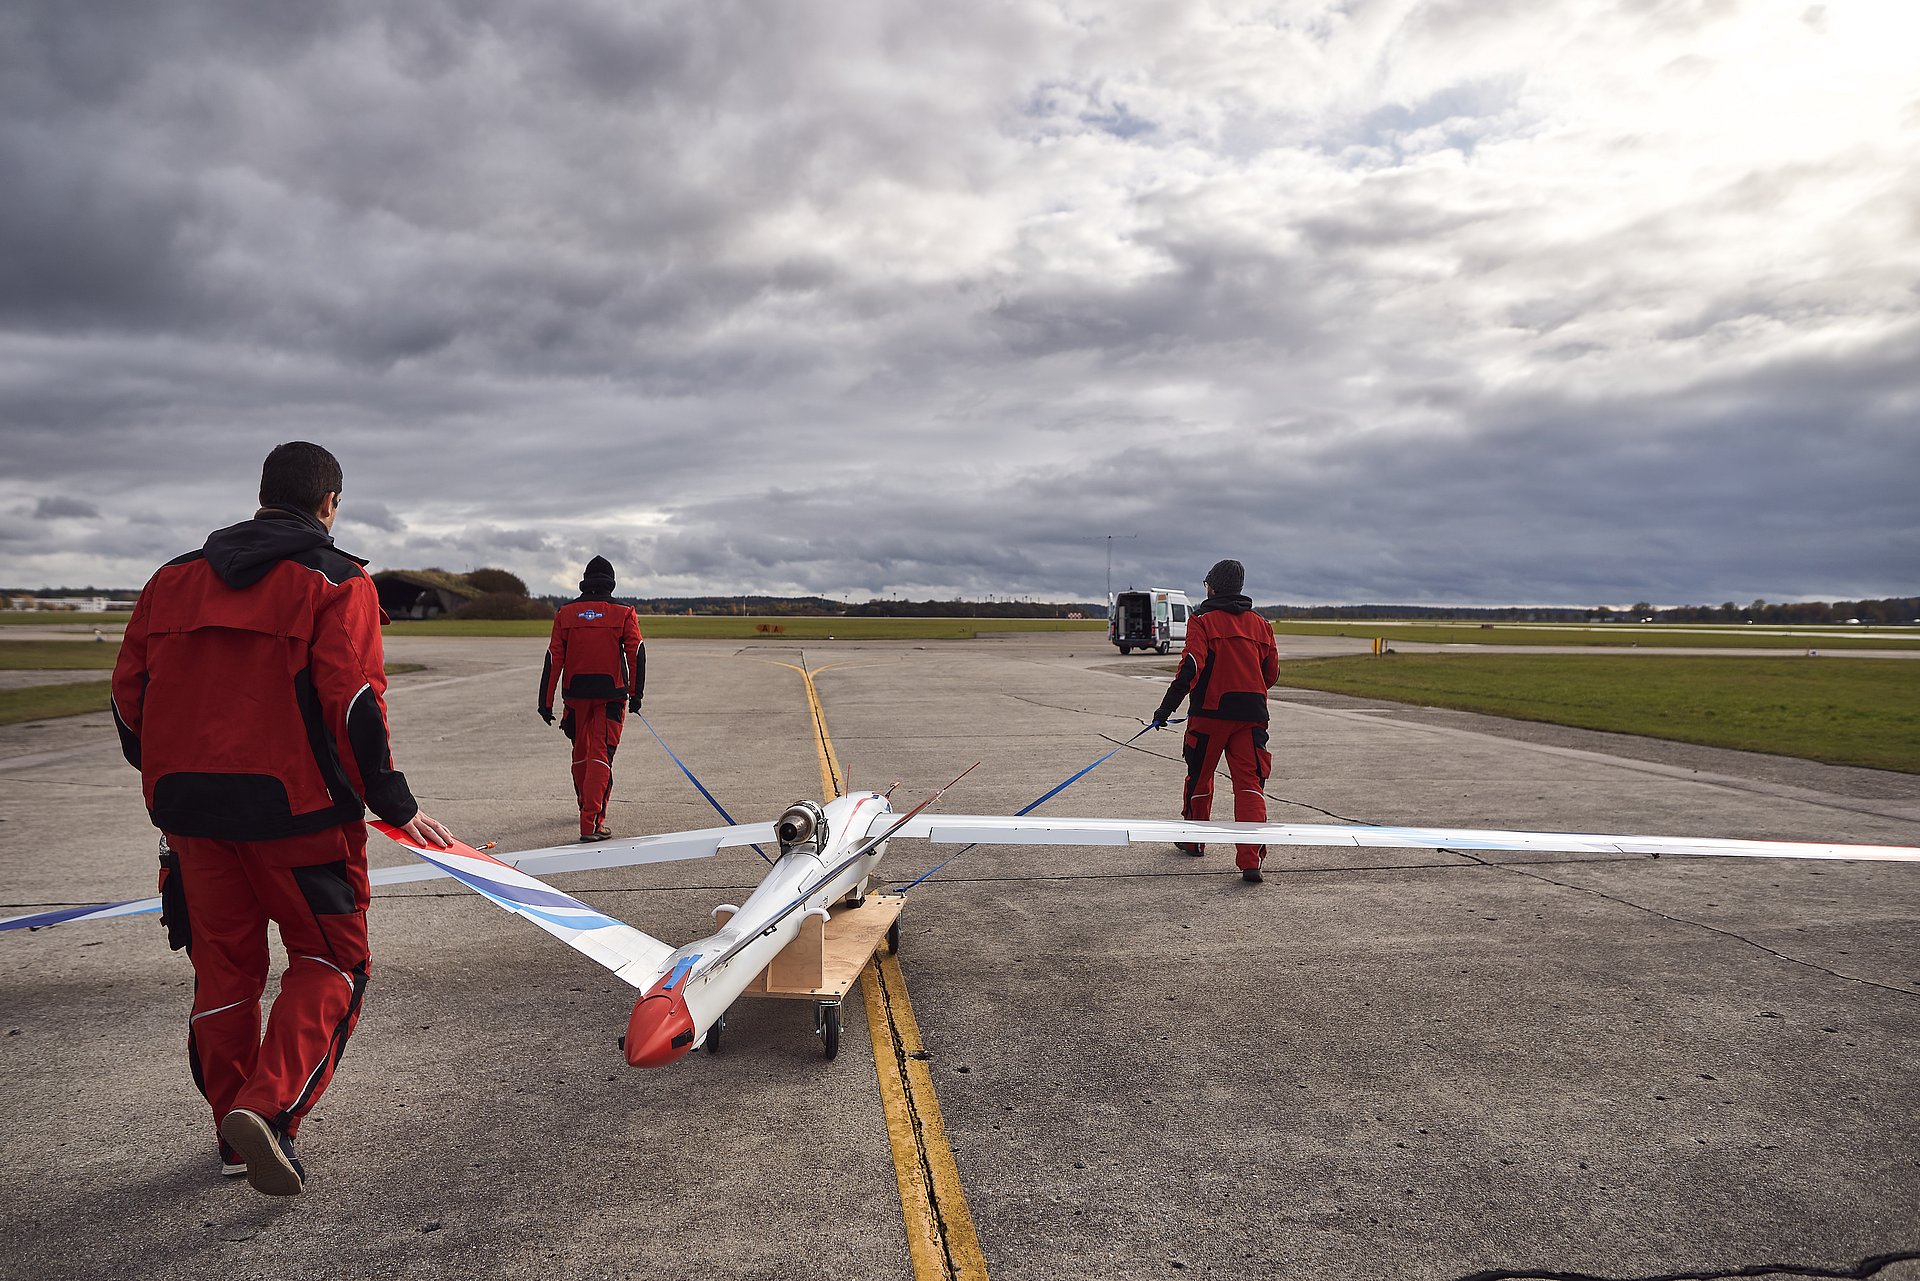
(1155,619)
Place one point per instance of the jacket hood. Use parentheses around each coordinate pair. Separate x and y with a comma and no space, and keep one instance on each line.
(1225,604)
(243,554)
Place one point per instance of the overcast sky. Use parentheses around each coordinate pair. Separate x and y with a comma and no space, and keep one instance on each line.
(1470,301)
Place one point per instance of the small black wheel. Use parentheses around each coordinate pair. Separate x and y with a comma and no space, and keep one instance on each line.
(893,937)
(713,1034)
(830,1027)
(855,900)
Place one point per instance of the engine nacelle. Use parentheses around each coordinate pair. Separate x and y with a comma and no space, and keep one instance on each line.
(802,825)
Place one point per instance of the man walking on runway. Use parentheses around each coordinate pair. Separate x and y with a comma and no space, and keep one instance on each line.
(249,693)
(598,648)
(1228,665)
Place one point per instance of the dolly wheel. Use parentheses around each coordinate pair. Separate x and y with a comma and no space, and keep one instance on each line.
(829,1020)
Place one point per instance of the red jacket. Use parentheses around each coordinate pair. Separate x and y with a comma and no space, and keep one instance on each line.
(1229,664)
(250,688)
(598,645)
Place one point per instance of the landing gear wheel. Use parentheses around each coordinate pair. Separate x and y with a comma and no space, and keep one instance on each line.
(893,937)
(826,1019)
(714,1033)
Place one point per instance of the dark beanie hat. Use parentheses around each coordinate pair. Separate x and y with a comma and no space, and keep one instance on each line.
(1227,577)
(599,576)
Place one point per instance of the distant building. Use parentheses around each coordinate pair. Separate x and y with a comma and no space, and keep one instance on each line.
(70,604)
(422,593)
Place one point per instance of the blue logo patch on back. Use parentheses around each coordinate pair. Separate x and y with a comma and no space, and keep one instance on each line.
(591,613)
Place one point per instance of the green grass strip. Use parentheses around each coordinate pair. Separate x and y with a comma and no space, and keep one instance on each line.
(61,617)
(76,698)
(1854,711)
(1614,635)
(44,702)
(58,656)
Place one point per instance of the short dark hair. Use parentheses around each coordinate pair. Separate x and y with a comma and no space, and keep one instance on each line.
(298,475)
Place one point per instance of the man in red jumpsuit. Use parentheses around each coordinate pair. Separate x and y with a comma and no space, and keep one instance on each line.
(1228,666)
(249,695)
(598,647)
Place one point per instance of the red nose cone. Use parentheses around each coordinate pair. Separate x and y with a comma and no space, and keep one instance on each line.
(659,1031)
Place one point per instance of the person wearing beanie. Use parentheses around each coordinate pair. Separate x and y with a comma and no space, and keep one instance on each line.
(598,650)
(1226,669)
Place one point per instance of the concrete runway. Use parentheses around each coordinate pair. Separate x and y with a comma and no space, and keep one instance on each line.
(1379,1064)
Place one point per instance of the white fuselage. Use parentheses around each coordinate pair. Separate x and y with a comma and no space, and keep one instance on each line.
(699,982)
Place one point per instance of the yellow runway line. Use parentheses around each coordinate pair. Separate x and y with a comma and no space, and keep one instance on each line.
(941,1239)
(830,774)
(940,1233)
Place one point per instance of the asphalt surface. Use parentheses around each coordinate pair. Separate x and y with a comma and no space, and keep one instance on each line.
(1379,1064)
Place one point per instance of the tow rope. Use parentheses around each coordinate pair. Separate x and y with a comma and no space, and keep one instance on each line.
(718,808)
(1042,799)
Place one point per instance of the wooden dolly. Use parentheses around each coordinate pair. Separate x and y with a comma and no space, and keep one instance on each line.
(823,962)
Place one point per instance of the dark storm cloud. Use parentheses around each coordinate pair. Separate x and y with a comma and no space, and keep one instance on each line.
(1442,302)
(56,508)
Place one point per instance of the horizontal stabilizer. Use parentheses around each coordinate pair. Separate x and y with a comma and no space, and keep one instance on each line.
(975,829)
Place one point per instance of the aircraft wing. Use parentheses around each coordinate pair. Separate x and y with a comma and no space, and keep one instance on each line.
(993,829)
(86,912)
(665,848)
(633,957)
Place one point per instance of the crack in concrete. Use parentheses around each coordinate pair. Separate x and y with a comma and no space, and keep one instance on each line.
(1865,1270)
(935,1211)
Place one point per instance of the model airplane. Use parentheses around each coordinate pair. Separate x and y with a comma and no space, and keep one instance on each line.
(828,854)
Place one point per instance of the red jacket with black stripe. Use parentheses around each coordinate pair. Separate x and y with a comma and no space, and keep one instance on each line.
(597,645)
(1229,664)
(250,688)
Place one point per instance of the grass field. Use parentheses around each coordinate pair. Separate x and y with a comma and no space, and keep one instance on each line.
(73,698)
(56,617)
(1856,711)
(1617,635)
(58,656)
(721,627)
(44,702)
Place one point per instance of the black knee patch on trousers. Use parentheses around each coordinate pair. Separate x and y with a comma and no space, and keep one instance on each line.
(326,888)
(1194,748)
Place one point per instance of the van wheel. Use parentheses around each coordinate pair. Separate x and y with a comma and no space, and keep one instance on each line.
(1164,647)
(1125,650)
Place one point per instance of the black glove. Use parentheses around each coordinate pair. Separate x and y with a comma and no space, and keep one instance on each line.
(546,714)
(633,704)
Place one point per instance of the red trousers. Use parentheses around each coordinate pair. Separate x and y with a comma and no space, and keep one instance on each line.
(1244,744)
(594,726)
(314,887)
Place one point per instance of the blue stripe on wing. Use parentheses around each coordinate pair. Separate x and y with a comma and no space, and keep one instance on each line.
(529,901)
(61,915)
